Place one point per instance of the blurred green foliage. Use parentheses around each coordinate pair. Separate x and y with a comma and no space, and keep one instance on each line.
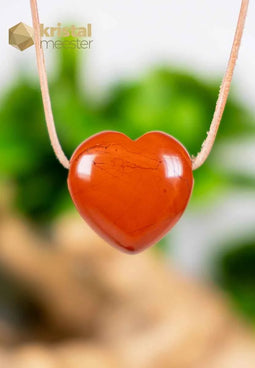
(236,275)
(164,99)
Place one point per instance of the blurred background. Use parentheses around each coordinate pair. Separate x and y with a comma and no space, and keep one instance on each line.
(67,299)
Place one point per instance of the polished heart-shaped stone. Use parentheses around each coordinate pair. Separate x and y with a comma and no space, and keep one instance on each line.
(131,192)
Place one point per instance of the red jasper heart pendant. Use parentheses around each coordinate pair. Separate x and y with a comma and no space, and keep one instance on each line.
(131,192)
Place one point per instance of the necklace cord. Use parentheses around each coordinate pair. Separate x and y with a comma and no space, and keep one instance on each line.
(224,90)
(219,109)
(45,88)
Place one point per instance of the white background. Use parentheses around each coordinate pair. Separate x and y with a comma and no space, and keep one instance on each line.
(132,35)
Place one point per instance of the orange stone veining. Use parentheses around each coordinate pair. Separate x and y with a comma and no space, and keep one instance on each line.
(131,192)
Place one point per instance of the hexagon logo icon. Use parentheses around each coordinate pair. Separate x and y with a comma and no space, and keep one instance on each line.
(21,36)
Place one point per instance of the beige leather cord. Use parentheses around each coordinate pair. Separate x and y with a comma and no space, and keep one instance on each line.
(45,88)
(224,91)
